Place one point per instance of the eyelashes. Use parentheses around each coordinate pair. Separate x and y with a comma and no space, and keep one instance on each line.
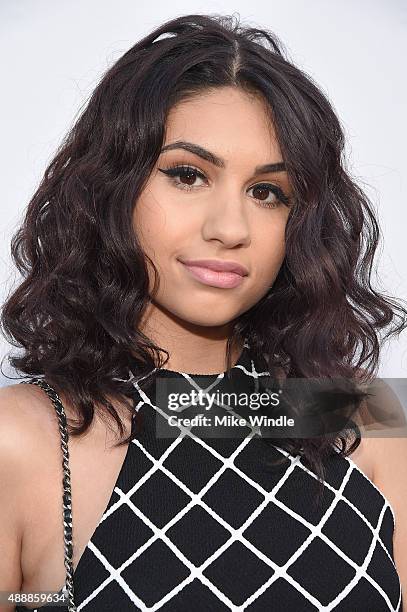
(189,172)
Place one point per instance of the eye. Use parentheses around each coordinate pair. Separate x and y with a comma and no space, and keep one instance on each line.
(265,191)
(189,174)
(185,173)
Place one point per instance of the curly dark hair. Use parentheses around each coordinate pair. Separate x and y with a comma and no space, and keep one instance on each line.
(85,286)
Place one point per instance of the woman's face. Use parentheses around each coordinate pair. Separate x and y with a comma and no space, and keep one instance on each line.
(218,208)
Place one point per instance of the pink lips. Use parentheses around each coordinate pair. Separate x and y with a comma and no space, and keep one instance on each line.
(217,273)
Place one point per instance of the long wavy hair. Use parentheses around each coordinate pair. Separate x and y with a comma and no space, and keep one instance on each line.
(77,311)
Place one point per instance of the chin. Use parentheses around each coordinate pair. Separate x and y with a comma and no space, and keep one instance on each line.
(208,321)
(200,314)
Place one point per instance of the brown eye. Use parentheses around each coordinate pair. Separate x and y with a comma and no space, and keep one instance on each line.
(263,191)
(186,176)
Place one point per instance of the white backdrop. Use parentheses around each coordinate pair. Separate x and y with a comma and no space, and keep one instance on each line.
(54,53)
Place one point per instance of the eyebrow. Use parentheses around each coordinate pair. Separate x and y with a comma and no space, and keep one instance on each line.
(218,161)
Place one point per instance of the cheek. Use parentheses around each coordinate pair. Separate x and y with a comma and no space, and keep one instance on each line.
(153,224)
(270,251)
(161,229)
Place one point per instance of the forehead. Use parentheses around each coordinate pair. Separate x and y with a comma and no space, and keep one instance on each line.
(228,121)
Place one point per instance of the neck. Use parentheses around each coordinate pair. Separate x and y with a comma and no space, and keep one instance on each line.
(192,348)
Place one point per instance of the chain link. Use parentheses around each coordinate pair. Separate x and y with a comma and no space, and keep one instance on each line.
(66,486)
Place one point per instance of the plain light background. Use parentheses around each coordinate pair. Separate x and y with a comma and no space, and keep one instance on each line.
(53,54)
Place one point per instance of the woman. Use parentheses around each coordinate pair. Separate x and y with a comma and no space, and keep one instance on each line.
(204,144)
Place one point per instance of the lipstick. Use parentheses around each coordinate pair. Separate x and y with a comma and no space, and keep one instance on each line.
(216,273)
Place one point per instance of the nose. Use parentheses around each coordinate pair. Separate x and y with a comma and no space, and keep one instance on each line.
(226,220)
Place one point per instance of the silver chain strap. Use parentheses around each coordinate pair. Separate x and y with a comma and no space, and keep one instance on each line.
(66,485)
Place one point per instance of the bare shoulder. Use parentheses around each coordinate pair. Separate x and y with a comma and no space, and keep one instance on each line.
(26,415)
(383,449)
(389,460)
(388,457)
(28,430)
(29,427)
(30,441)
(27,441)
(22,412)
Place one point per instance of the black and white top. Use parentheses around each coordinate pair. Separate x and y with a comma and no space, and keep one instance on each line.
(202,523)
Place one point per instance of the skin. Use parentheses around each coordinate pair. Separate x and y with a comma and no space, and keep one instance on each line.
(192,321)
(221,217)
